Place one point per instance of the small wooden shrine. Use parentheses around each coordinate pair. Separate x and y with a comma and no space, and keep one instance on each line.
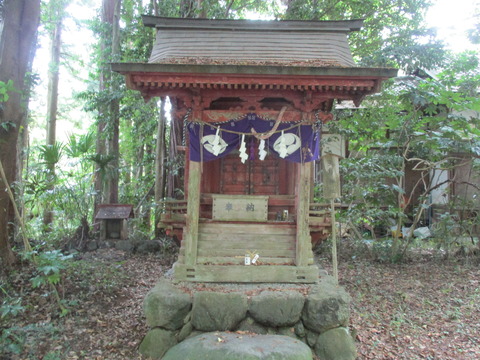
(252,97)
(113,220)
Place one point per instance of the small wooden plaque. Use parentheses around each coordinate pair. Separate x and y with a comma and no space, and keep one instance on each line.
(240,208)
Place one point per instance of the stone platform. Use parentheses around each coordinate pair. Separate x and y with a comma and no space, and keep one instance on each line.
(239,346)
(315,314)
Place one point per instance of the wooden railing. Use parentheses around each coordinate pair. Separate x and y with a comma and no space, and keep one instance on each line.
(172,211)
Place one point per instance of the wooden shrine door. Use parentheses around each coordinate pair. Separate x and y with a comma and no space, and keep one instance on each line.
(255,177)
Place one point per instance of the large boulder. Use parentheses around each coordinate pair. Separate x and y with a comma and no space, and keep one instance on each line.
(336,344)
(234,346)
(216,311)
(166,306)
(157,342)
(326,308)
(277,308)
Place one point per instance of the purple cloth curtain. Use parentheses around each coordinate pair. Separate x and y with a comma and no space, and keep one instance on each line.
(302,142)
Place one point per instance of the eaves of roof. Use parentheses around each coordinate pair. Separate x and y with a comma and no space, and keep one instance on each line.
(255,70)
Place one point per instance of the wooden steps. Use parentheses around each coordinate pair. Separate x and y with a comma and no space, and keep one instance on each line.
(228,243)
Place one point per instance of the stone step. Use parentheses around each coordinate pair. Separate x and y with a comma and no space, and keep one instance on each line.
(239,346)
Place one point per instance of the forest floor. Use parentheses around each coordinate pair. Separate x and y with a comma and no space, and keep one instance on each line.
(422,309)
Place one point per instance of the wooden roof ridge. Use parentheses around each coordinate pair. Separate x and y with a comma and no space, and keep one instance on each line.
(253,25)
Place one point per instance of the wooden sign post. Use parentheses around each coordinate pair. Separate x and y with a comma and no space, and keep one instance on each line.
(331,190)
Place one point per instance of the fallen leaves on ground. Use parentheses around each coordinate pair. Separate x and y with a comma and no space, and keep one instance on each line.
(420,310)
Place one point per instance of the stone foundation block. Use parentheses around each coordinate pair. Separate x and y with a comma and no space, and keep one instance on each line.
(327,307)
(311,337)
(185,332)
(251,325)
(166,306)
(277,309)
(336,344)
(157,342)
(215,311)
(300,329)
(231,346)
(316,315)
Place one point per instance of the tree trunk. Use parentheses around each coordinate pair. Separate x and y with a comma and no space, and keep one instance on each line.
(149,174)
(57,13)
(172,153)
(160,164)
(115,107)
(108,14)
(18,34)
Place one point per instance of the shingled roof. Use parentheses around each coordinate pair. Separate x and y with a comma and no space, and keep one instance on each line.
(252,42)
(244,55)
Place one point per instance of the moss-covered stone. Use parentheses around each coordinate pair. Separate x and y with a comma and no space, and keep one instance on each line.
(335,344)
(327,307)
(277,308)
(232,346)
(157,342)
(311,337)
(166,306)
(215,311)
(185,331)
(299,329)
(251,325)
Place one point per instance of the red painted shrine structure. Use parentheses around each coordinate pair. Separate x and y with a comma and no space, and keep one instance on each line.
(252,97)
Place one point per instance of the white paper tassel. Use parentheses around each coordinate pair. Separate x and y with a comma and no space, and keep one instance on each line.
(261,150)
(216,147)
(282,148)
(243,150)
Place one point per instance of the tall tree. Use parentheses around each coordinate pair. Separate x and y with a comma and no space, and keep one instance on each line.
(107,122)
(54,24)
(19,23)
(114,138)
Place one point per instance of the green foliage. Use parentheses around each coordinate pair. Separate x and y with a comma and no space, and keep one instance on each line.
(417,124)
(49,267)
(213,9)
(81,145)
(393,35)
(69,194)
(24,340)
(53,12)
(446,232)
(12,342)
(5,88)
(51,154)
(11,307)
